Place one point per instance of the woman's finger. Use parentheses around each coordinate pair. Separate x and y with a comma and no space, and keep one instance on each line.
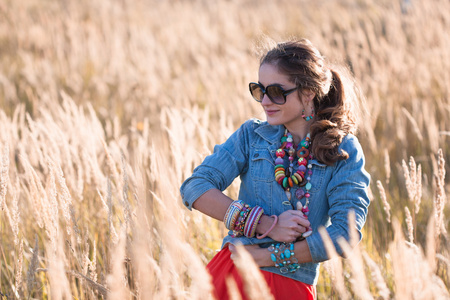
(301,221)
(297,213)
(232,249)
(300,229)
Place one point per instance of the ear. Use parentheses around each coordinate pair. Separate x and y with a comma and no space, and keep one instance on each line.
(308,95)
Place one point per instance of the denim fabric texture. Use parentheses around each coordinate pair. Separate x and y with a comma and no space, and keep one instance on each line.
(250,153)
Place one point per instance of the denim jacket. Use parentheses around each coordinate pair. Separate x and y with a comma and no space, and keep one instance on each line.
(250,153)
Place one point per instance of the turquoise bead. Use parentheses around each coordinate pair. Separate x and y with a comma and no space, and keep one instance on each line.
(287,253)
(308,186)
(273,257)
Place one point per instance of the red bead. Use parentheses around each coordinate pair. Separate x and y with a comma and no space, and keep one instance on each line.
(280,153)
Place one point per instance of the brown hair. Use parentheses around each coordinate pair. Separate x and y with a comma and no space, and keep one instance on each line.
(337,97)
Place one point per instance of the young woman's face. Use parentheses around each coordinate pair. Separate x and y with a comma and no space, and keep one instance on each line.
(290,113)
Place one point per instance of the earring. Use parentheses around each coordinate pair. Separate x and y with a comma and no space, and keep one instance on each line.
(307,118)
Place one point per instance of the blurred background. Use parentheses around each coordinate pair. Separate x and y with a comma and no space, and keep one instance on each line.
(107,106)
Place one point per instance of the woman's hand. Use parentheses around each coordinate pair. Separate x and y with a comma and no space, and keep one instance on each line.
(291,224)
(261,256)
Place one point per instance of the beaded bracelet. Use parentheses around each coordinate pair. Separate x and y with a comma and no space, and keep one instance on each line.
(252,221)
(283,257)
(258,236)
(232,214)
(240,222)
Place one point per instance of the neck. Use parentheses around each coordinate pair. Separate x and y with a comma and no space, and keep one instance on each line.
(298,132)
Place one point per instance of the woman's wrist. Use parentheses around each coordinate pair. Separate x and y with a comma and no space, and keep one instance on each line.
(265,222)
(262,258)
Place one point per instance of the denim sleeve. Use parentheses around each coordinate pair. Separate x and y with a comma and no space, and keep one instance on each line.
(219,169)
(346,191)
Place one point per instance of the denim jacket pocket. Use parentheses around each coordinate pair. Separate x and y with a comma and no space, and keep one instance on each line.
(261,168)
(262,164)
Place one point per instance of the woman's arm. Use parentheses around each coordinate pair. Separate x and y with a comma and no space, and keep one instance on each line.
(262,255)
(346,192)
(291,224)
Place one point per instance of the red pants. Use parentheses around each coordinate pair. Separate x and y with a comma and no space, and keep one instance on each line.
(221,266)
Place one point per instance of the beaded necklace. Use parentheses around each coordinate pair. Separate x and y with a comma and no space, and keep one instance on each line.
(287,177)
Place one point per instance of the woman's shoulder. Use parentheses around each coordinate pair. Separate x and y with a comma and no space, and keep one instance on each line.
(350,144)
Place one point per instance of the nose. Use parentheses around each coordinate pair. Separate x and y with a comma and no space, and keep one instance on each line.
(265,100)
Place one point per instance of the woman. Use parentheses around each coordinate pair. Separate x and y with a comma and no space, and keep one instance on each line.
(301,169)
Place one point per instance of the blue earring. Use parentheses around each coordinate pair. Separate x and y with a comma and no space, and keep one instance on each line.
(307,118)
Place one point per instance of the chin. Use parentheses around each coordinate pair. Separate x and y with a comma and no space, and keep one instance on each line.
(273,122)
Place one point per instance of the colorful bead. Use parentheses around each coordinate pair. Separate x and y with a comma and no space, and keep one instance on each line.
(280,153)
(279,169)
(298,177)
(299,193)
(302,162)
(303,152)
(304,143)
(279,178)
(279,173)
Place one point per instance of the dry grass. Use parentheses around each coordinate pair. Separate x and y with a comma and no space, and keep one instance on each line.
(106,107)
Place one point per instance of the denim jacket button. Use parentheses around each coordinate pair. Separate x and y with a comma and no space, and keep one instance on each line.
(186,203)
(256,155)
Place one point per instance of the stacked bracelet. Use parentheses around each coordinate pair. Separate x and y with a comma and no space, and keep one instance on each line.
(252,221)
(232,214)
(282,254)
(242,219)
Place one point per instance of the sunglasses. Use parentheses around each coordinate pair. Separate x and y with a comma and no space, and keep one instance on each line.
(275,92)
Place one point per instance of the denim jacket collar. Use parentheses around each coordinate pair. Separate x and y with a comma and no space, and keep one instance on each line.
(270,133)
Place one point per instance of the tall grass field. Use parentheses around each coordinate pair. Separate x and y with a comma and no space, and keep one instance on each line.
(107,106)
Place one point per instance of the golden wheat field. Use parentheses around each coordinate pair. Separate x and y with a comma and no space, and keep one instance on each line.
(107,106)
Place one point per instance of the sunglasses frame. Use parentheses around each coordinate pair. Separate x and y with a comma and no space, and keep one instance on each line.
(264,90)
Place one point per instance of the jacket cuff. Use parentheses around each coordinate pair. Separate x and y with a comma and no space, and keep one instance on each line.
(316,248)
(194,193)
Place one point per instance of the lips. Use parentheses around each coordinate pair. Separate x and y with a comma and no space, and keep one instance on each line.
(271,112)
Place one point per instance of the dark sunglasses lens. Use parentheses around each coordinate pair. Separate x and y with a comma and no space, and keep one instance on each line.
(256,92)
(276,94)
